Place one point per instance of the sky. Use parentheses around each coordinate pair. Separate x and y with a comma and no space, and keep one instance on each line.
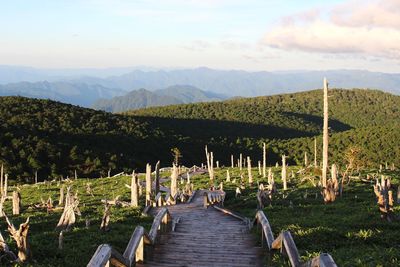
(252,35)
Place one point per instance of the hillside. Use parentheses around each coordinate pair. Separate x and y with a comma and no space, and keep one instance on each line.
(366,118)
(55,138)
(142,98)
(136,99)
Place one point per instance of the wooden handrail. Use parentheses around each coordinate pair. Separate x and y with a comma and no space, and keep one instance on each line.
(286,244)
(135,250)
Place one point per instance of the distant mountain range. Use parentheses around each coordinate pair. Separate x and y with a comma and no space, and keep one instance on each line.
(85,86)
(81,94)
(142,98)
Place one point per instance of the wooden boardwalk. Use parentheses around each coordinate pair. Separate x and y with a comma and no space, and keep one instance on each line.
(206,237)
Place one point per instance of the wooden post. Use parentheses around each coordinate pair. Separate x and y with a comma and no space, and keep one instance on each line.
(284,172)
(36,177)
(76,175)
(217,164)
(264,160)
(325,136)
(315,153)
(259,168)
(148,184)
(16,202)
(232,165)
(249,170)
(134,190)
(157,188)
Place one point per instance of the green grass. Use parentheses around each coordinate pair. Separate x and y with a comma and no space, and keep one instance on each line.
(350,229)
(80,243)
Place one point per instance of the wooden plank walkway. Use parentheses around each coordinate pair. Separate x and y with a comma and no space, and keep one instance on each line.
(206,237)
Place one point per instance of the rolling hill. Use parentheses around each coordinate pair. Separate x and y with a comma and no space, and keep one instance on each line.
(142,98)
(55,139)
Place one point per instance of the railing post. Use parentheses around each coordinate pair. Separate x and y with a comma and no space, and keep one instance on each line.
(205,200)
(139,256)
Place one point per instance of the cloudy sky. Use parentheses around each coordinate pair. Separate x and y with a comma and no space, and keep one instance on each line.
(223,34)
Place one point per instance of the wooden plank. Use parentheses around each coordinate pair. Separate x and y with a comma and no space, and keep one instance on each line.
(290,248)
(266,227)
(133,244)
(101,257)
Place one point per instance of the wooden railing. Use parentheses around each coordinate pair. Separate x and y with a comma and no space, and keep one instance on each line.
(214,197)
(285,243)
(140,245)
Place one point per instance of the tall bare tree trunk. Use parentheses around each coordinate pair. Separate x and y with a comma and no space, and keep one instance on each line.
(157,188)
(134,190)
(315,153)
(264,160)
(249,170)
(232,164)
(305,159)
(284,172)
(240,161)
(148,184)
(16,202)
(325,136)
(174,181)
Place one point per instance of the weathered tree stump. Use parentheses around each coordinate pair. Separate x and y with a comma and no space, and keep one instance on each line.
(20,236)
(16,202)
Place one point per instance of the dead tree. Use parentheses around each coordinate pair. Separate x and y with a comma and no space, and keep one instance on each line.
(210,163)
(284,172)
(148,185)
(384,195)
(325,136)
(240,161)
(174,181)
(157,182)
(264,160)
(232,164)
(68,217)
(106,218)
(249,170)
(329,192)
(61,199)
(305,159)
(259,168)
(315,153)
(16,202)
(3,190)
(20,237)
(6,250)
(134,190)
(228,176)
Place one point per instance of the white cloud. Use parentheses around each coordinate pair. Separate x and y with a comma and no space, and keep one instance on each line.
(368,28)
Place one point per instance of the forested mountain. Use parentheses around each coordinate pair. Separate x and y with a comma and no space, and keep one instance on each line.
(55,139)
(81,94)
(136,99)
(142,98)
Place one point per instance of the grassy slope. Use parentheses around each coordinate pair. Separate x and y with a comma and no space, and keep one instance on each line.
(350,229)
(80,243)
